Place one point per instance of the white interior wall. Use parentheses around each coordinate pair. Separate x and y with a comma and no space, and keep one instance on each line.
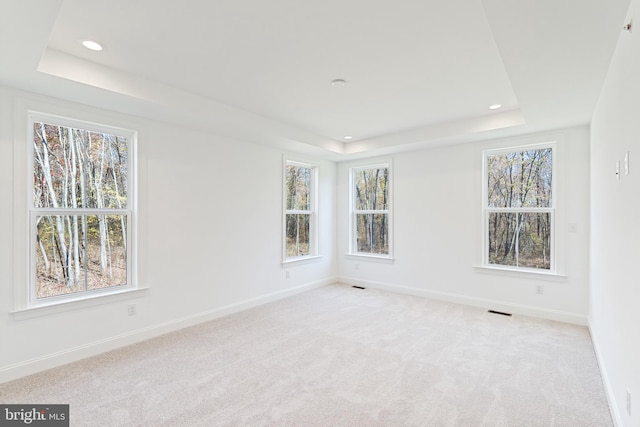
(615,227)
(209,238)
(437,197)
(201,268)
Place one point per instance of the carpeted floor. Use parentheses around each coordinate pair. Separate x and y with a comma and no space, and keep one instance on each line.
(338,356)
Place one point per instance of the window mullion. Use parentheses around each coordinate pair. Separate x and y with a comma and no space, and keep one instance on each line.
(371,211)
(298,212)
(532,209)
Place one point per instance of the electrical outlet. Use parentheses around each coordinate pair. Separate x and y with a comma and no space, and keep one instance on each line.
(287,274)
(131,309)
(628,402)
(357,266)
(539,289)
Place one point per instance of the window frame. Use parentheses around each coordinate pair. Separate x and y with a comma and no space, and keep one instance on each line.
(353,212)
(554,244)
(30,300)
(312,212)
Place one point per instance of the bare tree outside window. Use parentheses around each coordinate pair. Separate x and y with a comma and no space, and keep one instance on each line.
(519,208)
(299,210)
(371,210)
(80,202)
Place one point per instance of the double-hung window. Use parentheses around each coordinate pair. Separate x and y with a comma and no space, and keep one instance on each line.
(81,209)
(300,211)
(371,210)
(519,207)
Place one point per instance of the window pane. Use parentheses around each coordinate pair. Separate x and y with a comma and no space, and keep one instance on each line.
(520,239)
(80,252)
(298,234)
(371,189)
(75,168)
(372,233)
(520,179)
(298,185)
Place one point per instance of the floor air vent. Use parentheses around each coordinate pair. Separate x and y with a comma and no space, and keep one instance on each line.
(358,287)
(499,312)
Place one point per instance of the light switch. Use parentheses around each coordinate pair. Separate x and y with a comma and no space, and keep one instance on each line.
(626,163)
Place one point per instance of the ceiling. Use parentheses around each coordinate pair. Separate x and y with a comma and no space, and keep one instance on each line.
(418,72)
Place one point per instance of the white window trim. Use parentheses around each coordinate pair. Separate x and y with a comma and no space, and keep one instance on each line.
(352,213)
(508,271)
(79,302)
(557,245)
(24,303)
(313,212)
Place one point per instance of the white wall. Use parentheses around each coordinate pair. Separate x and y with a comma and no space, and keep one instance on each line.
(209,242)
(438,228)
(210,236)
(615,226)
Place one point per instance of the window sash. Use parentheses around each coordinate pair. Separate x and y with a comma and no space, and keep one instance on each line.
(35,250)
(548,254)
(385,249)
(81,150)
(295,248)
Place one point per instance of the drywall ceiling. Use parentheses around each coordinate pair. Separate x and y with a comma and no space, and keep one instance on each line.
(417,72)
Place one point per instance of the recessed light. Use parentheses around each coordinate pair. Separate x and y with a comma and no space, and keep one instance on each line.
(495,106)
(348,137)
(91,45)
(338,82)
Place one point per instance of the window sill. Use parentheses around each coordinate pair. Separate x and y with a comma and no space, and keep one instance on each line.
(66,305)
(520,273)
(373,258)
(301,260)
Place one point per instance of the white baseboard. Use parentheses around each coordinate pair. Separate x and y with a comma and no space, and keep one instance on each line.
(38,364)
(611,398)
(503,306)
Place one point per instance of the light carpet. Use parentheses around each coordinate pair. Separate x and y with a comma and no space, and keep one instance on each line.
(338,356)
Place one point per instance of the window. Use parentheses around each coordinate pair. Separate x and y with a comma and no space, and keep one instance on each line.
(81,209)
(300,217)
(370,213)
(519,207)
